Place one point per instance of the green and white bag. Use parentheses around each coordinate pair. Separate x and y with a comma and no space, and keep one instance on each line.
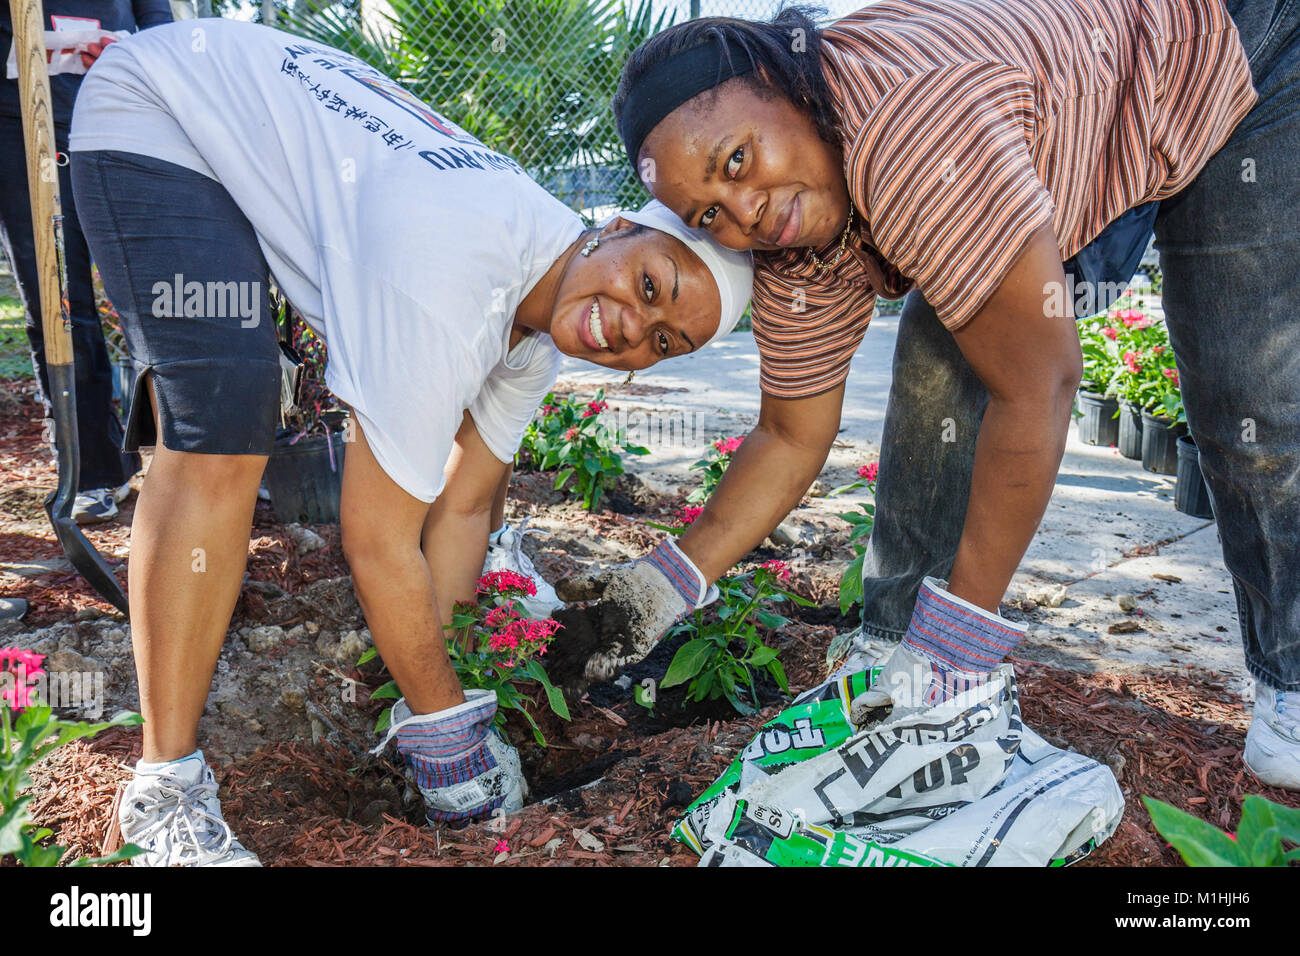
(963,783)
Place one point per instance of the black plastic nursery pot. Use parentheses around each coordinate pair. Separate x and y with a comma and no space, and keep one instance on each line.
(1129,437)
(1191,496)
(305,484)
(1098,426)
(1160,443)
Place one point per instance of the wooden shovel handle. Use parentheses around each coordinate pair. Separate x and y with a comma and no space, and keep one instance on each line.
(42,174)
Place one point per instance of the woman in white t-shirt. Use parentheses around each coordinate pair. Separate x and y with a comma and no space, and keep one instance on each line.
(209,155)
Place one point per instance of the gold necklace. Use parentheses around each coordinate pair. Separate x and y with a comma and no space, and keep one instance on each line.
(839,254)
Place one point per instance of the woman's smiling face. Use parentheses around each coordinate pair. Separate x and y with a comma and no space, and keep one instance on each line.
(748,168)
(640,297)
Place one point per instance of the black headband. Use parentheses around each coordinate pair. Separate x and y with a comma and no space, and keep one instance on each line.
(666,86)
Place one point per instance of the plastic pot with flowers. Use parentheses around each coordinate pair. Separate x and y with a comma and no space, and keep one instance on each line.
(1099,411)
(304,474)
(1147,383)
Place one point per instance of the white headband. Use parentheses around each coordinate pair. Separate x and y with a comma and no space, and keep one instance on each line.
(733,272)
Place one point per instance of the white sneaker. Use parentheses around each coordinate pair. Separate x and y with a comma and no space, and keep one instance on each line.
(174,815)
(1273,742)
(507,554)
(99,504)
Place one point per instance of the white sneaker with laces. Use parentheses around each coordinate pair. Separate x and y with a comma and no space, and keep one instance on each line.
(99,504)
(174,815)
(505,553)
(1272,751)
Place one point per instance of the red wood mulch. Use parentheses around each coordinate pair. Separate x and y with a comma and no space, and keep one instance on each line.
(298,804)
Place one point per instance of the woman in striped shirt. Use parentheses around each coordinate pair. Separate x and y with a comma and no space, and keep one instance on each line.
(961,151)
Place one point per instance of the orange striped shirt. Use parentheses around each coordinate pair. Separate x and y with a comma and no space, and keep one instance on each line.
(968,125)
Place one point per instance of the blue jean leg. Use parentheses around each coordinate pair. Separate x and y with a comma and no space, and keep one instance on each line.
(1230,252)
(927,457)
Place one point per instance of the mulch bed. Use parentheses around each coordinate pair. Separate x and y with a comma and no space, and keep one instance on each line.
(614,780)
(298,804)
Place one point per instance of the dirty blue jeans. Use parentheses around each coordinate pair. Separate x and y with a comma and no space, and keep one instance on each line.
(1230,252)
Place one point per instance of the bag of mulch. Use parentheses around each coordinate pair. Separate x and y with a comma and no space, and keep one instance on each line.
(963,783)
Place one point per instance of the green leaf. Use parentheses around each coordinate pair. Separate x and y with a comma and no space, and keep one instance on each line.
(370,653)
(762,656)
(12,824)
(388,691)
(563,477)
(687,662)
(851,584)
(534,669)
(1199,843)
(778,674)
(385,719)
(642,696)
(125,853)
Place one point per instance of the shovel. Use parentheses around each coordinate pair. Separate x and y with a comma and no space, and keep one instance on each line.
(47,224)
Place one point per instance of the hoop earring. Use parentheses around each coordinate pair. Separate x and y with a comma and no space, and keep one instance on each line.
(628,381)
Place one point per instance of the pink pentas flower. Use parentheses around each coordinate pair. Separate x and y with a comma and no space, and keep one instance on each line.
(25,667)
(1157,349)
(778,569)
(726,446)
(1131,317)
(550,410)
(595,408)
(505,582)
(501,847)
(572,433)
(500,617)
(1130,360)
(1110,332)
(1172,375)
(869,472)
(688,514)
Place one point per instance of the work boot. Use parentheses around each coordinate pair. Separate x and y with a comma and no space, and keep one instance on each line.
(173,814)
(1273,742)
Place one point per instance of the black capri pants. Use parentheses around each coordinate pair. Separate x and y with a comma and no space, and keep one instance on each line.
(182,265)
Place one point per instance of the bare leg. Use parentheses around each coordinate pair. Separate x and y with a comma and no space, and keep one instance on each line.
(499,502)
(189,547)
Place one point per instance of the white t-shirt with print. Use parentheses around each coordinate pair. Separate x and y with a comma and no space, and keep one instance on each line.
(405,242)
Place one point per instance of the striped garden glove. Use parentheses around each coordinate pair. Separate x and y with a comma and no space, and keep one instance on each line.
(462,766)
(950,646)
(638,602)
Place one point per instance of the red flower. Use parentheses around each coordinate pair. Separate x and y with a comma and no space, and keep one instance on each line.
(550,410)
(688,514)
(1172,375)
(1110,332)
(595,408)
(1132,317)
(501,847)
(1130,360)
(726,446)
(572,433)
(778,569)
(505,582)
(869,472)
(25,666)
(1157,349)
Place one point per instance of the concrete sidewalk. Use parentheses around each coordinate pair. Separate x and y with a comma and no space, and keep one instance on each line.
(1109,528)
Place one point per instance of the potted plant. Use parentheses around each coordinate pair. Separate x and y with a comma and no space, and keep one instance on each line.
(1099,411)
(1146,385)
(304,475)
(1191,494)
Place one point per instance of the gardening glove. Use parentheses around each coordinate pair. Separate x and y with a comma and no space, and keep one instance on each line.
(463,767)
(639,602)
(950,646)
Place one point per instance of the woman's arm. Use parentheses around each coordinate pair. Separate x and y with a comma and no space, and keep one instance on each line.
(1030,362)
(767,476)
(381,526)
(459,522)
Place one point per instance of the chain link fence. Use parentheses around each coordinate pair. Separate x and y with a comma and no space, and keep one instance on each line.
(531,78)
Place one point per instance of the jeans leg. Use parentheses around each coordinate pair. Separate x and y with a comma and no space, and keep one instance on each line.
(103,464)
(1230,251)
(936,404)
